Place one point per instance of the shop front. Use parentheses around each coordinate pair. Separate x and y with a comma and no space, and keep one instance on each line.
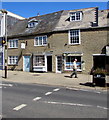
(69,57)
(42,62)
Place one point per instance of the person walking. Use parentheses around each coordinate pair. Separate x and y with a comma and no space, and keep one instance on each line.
(74,69)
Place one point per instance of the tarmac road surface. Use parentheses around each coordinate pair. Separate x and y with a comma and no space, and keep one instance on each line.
(44,101)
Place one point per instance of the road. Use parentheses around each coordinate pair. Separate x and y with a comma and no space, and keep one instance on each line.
(42,101)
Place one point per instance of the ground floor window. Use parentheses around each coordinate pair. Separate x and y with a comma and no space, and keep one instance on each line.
(69,62)
(12,60)
(39,60)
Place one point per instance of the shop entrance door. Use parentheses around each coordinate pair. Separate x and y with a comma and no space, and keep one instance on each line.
(49,63)
(26,63)
(58,64)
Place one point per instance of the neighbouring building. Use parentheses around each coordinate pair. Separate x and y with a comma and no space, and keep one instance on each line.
(51,42)
(7,19)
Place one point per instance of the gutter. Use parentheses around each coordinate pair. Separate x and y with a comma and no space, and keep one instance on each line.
(32,34)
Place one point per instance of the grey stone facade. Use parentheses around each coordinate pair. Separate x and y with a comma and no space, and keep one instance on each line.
(56,26)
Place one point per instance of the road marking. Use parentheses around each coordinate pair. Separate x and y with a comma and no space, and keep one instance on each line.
(19,107)
(102,107)
(72,88)
(74,104)
(90,91)
(48,93)
(57,89)
(77,89)
(0,86)
(71,104)
(0,116)
(37,98)
(10,85)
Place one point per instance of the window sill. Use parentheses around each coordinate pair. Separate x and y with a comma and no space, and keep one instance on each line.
(74,44)
(12,64)
(12,47)
(40,45)
(78,70)
(75,20)
(38,66)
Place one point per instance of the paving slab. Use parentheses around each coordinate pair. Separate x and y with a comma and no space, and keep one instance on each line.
(84,81)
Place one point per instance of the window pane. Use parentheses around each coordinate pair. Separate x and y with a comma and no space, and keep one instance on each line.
(16,43)
(36,41)
(44,40)
(40,40)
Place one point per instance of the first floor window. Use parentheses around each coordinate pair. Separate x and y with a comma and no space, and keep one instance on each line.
(13,43)
(40,41)
(74,37)
(69,62)
(12,60)
(39,60)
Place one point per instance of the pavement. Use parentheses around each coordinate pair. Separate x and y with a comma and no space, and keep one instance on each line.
(84,81)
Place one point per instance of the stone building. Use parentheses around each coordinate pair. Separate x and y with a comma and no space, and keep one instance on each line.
(6,19)
(51,42)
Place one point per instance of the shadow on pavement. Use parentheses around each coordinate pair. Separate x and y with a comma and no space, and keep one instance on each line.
(67,76)
(88,84)
(92,85)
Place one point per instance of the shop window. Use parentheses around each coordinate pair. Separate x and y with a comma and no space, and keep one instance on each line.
(39,60)
(69,62)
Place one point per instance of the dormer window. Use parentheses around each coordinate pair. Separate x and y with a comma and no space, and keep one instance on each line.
(32,23)
(75,16)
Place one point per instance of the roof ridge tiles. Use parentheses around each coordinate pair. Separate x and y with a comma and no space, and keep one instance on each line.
(45,14)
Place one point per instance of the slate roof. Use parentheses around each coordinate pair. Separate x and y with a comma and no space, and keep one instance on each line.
(89,16)
(10,22)
(46,24)
(59,21)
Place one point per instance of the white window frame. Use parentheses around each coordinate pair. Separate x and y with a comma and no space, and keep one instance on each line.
(12,60)
(32,24)
(42,41)
(39,62)
(13,43)
(69,36)
(75,15)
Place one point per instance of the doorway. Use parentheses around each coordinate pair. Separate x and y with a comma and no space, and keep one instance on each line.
(26,63)
(99,62)
(49,63)
(58,64)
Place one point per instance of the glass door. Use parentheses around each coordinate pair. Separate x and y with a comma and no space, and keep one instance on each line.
(58,64)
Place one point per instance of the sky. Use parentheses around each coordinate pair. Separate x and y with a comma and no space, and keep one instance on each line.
(30,9)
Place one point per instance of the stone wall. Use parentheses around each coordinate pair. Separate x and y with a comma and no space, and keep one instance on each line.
(92,42)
